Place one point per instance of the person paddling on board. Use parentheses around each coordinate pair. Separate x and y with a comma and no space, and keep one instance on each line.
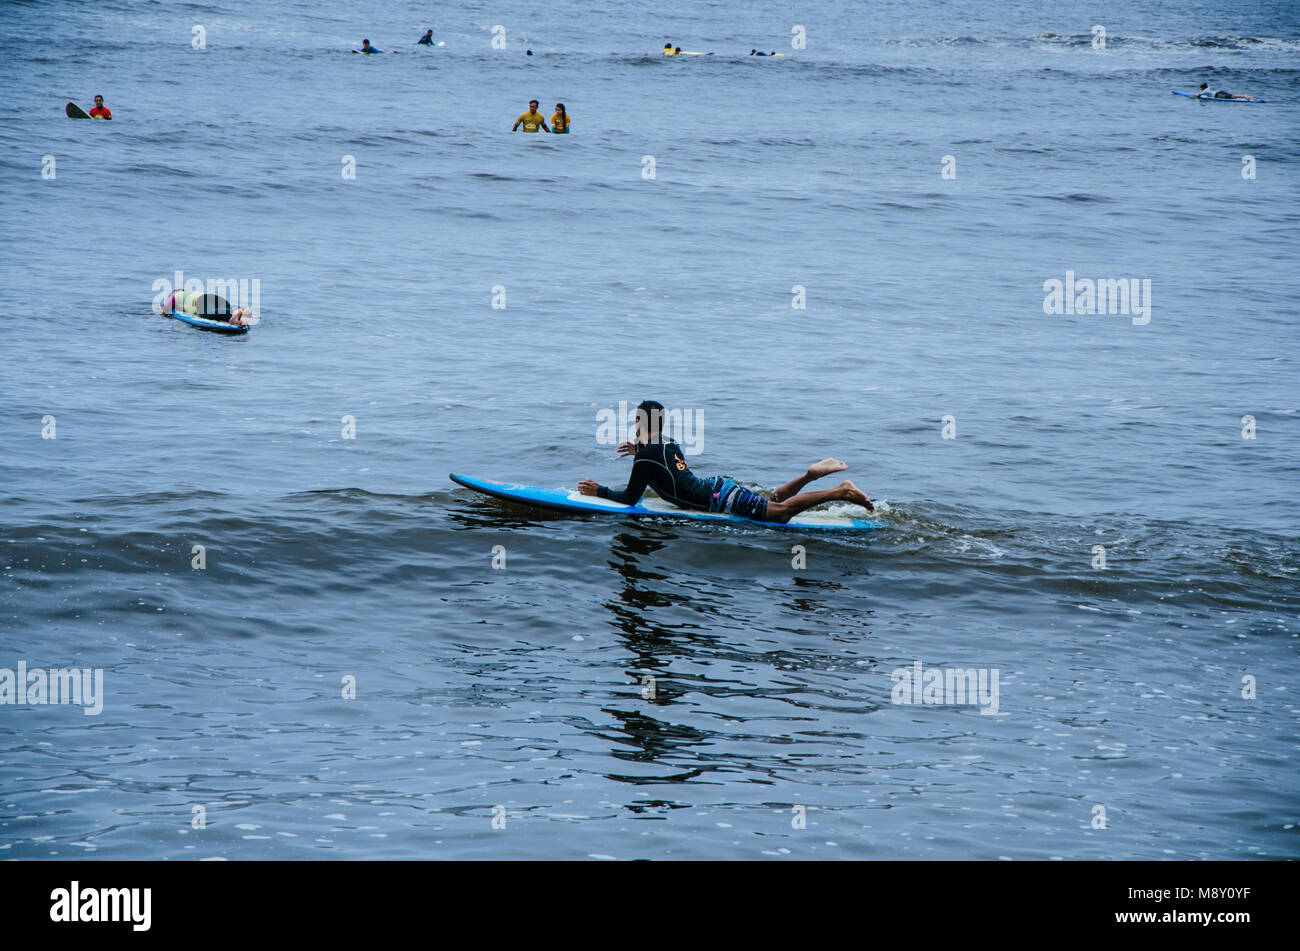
(560,121)
(1205,92)
(426,40)
(100,111)
(532,120)
(668,49)
(367,48)
(658,463)
(207,306)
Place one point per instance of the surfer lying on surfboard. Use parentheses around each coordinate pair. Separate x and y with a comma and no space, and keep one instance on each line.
(659,464)
(207,306)
(1205,92)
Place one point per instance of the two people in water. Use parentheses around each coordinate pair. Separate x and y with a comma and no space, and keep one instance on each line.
(208,306)
(100,111)
(670,50)
(534,121)
(658,463)
(426,40)
(1205,92)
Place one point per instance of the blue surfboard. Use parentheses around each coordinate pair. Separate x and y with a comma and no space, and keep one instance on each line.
(564,500)
(218,326)
(1212,99)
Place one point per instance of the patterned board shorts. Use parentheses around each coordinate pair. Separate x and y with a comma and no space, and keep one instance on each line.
(737,500)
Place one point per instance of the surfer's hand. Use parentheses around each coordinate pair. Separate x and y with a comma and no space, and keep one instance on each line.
(587,487)
(627,448)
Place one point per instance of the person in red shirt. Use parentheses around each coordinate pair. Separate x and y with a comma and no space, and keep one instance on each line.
(99,112)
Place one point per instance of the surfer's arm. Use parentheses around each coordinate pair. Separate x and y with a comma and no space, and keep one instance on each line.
(636,486)
(626,497)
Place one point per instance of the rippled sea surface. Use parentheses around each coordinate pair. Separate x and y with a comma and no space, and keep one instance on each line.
(650,689)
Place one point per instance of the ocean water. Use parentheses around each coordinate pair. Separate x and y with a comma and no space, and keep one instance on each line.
(651,689)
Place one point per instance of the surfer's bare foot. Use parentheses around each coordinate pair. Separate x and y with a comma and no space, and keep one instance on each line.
(814,471)
(825,468)
(851,493)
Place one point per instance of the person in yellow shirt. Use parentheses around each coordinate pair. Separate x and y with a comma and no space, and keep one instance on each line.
(560,121)
(531,120)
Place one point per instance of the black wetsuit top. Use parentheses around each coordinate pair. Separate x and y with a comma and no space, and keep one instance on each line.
(662,467)
(213,307)
(425,40)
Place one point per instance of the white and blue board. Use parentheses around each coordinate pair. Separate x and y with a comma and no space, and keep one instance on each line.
(572,501)
(1212,99)
(219,326)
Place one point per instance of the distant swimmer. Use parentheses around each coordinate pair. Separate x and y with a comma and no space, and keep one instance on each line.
(668,50)
(757,53)
(100,111)
(427,39)
(560,121)
(658,464)
(532,120)
(1205,92)
(367,48)
(207,306)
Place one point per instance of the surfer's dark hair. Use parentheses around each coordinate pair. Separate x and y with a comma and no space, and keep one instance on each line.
(560,106)
(653,414)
